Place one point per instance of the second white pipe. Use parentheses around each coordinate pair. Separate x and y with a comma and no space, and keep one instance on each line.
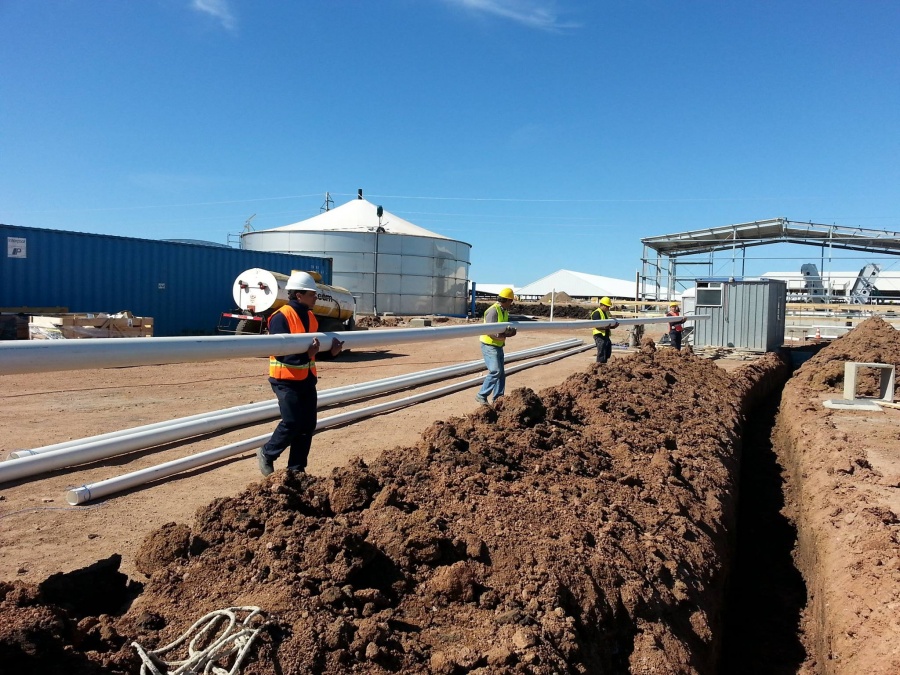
(36,464)
(91,491)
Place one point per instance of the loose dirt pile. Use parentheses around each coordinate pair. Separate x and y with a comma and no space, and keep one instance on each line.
(843,473)
(583,530)
(542,309)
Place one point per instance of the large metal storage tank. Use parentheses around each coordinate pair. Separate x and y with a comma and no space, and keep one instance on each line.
(184,287)
(387,263)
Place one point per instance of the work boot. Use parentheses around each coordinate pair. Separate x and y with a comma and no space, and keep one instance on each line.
(265,464)
(481,399)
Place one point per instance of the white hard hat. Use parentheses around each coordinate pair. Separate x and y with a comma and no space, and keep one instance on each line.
(301,281)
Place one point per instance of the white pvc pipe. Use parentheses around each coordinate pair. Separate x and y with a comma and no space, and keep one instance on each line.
(85,493)
(41,356)
(92,450)
(263,410)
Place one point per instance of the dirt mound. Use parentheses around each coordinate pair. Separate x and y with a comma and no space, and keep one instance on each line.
(842,477)
(379,322)
(564,311)
(873,341)
(560,297)
(63,625)
(582,530)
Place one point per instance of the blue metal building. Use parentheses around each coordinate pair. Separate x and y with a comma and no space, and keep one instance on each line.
(184,287)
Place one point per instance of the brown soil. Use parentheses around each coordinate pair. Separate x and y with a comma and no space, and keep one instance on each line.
(842,472)
(583,528)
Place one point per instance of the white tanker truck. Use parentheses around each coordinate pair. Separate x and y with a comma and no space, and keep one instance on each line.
(258,292)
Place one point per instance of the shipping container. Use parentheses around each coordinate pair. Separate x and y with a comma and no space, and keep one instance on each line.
(184,287)
(742,314)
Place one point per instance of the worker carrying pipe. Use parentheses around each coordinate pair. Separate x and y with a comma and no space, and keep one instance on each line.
(492,348)
(293,378)
(602,337)
(675,327)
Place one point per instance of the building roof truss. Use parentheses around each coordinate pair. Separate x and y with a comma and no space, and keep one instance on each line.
(777,230)
(757,233)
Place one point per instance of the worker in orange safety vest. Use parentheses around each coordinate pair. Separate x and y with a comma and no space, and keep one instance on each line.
(293,378)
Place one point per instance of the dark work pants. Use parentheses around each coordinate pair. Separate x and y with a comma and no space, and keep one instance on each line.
(604,347)
(675,338)
(297,403)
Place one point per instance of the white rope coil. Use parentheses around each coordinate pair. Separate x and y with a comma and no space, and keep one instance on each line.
(235,640)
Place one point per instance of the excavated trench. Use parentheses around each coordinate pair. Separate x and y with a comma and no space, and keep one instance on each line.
(587,529)
(766,594)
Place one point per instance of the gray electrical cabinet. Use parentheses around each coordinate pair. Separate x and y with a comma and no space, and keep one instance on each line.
(743,314)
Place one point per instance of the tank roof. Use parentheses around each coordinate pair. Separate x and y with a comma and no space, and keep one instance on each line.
(358,215)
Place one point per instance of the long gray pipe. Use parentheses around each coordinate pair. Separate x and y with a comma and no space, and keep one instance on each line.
(42,356)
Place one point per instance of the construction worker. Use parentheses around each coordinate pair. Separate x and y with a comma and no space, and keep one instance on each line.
(675,327)
(601,335)
(492,348)
(293,378)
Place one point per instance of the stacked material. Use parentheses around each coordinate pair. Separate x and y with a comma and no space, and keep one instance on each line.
(90,325)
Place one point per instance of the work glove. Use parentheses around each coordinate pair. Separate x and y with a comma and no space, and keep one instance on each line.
(336,347)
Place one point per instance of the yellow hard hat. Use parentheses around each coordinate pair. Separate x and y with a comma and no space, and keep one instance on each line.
(606,301)
(507,293)
(674,303)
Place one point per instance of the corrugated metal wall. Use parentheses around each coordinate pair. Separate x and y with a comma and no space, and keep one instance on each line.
(416,274)
(751,316)
(184,287)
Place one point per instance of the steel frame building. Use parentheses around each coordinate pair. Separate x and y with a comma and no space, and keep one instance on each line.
(663,275)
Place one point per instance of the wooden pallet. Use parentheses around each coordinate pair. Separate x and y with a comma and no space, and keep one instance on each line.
(87,325)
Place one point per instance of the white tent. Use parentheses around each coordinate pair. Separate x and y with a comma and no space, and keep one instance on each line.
(578,285)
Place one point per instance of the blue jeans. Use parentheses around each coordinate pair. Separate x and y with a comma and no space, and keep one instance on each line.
(495,382)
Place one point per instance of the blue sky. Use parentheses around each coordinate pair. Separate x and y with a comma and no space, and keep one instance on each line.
(547,134)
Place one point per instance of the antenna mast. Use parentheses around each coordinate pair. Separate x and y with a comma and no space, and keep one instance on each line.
(329,202)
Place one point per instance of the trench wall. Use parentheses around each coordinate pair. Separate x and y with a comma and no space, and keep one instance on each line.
(841,481)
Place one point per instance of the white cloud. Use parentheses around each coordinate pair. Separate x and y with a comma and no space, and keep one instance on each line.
(218,9)
(538,14)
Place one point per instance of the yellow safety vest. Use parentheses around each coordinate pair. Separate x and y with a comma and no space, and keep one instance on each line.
(604,315)
(502,317)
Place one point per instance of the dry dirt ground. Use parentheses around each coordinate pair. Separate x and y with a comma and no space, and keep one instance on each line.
(842,478)
(582,525)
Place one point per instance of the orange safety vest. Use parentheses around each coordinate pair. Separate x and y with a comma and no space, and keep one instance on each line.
(283,371)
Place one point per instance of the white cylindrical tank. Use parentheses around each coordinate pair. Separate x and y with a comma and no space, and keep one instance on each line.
(259,291)
(390,264)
